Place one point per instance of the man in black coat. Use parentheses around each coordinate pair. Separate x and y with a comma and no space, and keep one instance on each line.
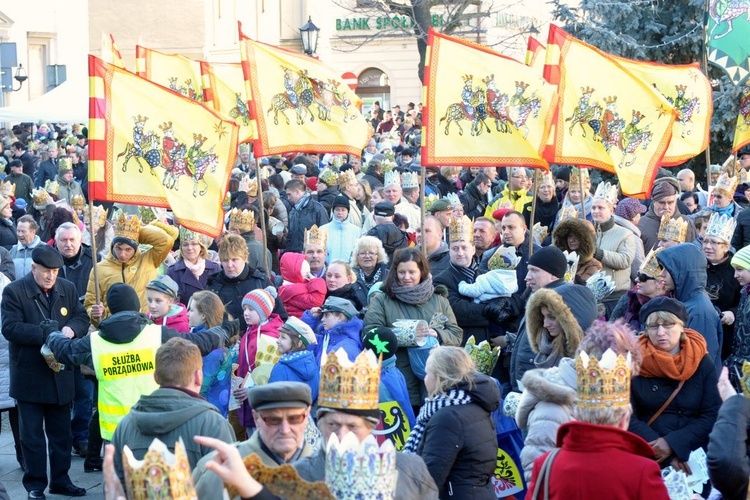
(474,197)
(306,213)
(19,151)
(32,307)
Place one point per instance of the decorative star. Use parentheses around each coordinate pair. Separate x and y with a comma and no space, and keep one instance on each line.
(662,110)
(381,346)
(220,129)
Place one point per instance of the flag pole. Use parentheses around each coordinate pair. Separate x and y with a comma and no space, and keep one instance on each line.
(423,182)
(583,198)
(533,211)
(262,217)
(93,251)
(704,67)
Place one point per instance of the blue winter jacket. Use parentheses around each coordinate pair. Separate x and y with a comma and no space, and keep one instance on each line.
(393,388)
(344,335)
(299,366)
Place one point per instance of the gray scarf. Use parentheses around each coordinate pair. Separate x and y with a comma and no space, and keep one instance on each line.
(415,295)
(549,353)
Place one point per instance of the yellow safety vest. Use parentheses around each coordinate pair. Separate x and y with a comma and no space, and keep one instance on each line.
(125,372)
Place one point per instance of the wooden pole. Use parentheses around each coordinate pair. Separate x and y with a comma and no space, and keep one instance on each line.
(533,211)
(583,198)
(93,251)
(704,67)
(262,217)
(422,183)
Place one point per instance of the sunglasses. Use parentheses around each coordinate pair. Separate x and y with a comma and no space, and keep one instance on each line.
(644,278)
(275,421)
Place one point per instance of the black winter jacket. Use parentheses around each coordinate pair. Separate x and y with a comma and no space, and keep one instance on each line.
(8,236)
(741,237)
(302,218)
(728,451)
(469,314)
(473,201)
(78,269)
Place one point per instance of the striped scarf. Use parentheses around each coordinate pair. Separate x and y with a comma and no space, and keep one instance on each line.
(431,406)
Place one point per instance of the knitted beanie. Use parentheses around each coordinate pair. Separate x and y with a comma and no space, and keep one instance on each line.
(122,297)
(261,301)
(550,259)
(742,258)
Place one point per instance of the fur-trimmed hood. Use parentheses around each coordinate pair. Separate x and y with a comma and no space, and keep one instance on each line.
(545,385)
(581,230)
(574,307)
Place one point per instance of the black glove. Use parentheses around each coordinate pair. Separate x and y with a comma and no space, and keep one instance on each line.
(48,326)
(232,328)
(495,314)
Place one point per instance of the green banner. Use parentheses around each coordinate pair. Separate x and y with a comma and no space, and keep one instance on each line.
(728,37)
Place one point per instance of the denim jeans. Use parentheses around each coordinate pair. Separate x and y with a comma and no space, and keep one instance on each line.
(82,407)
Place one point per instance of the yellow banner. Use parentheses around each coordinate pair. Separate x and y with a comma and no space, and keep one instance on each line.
(224,86)
(177,73)
(110,52)
(742,128)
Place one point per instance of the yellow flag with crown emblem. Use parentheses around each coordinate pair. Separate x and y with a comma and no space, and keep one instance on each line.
(150,146)
(482,108)
(742,128)
(299,104)
(224,88)
(606,117)
(177,73)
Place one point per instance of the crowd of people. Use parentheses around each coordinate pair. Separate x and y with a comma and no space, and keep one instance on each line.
(134,328)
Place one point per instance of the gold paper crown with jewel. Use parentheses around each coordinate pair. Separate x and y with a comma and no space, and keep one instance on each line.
(242,221)
(160,474)
(147,214)
(607,192)
(347,178)
(540,232)
(461,229)
(484,355)
(52,187)
(603,383)
(672,229)
(7,189)
(721,227)
(315,236)
(329,177)
(568,211)
(347,385)
(572,259)
(650,266)
(41,198)
(77,202)
(727,184)
(282,481)
(64,165)
(252,187)
(504,258)
(453,199)
(430,200)
(188,235)
(99,217)
(409,180)
(392,178)
(357,469)
(575,174)
(546,178)
(127,226)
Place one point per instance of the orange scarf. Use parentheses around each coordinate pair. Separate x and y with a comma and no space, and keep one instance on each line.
(681,366)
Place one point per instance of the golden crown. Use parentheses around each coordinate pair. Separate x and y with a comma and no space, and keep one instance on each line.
(392,178)
(282,481)
(64,165)
(727,183)
(160,474)
(567,211)
(409,180)
(7,189)
(188,235)
(484,355)
(329,177)
(721,227)
(242,221)
(650,266)
(540,232)
(99,216)
(315,236)
(603,383)
(52,187)
(147,214)
(572,259)
(546,178)
(672,229)
(77,202)
(127,226)
(357,469)
(41,198)
(461,229)
(504,258)
(347,178)
(576,174)
(745,380)
(252,187)
(347,385)
(607,192)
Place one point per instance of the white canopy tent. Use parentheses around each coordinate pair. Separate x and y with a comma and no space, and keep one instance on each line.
(67,103)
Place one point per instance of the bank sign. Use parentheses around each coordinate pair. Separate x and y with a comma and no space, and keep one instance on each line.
(381,23)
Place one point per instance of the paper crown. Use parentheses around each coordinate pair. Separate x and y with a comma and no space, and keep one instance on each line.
(99,217)
(357,470)
(41,198)
(607,192)
(252,187)
(160,474)
(7,189)
(430,200)
(282,481)
(727,183)
(745,380)
(603,383)
(409,180)
(453,199)
(721,227)
(227,201)
(347,178)
(672,229)
(540,232)
(388,165)
(127,226)
(242,221)
(188,235)
(243,148)
(329,177)
(567,211)
(575,175)
(601,285)
(650,266)
(546,178)
(504,258)
(484,355)
(64,165)
(77,202)
(315,236)
(52,187)
(461,229)
(149,214)
(392,178)
(572,259)
(347,385)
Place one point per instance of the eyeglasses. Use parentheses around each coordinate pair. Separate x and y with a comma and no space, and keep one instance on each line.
(275,421)
(644,278)
(363,254)
(654,327)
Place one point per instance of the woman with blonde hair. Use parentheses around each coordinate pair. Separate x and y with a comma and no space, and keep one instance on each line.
(369,261)
(455,432)
(193,268)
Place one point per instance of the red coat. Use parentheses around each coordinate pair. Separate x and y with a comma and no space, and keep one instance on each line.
(598,461)
(299,294)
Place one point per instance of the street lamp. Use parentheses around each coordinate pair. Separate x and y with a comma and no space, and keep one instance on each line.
(20,77)
(309,33)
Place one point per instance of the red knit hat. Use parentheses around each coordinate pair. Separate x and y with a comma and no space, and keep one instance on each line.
(261,301)
(311,183)
(500,213)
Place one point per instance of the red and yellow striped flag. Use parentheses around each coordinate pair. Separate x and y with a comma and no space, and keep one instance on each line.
(177,73)
(149,146)
(224,87)
(110,52)
(299,103)
(742,128)
(535,51)
(607,117)
(482,108)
